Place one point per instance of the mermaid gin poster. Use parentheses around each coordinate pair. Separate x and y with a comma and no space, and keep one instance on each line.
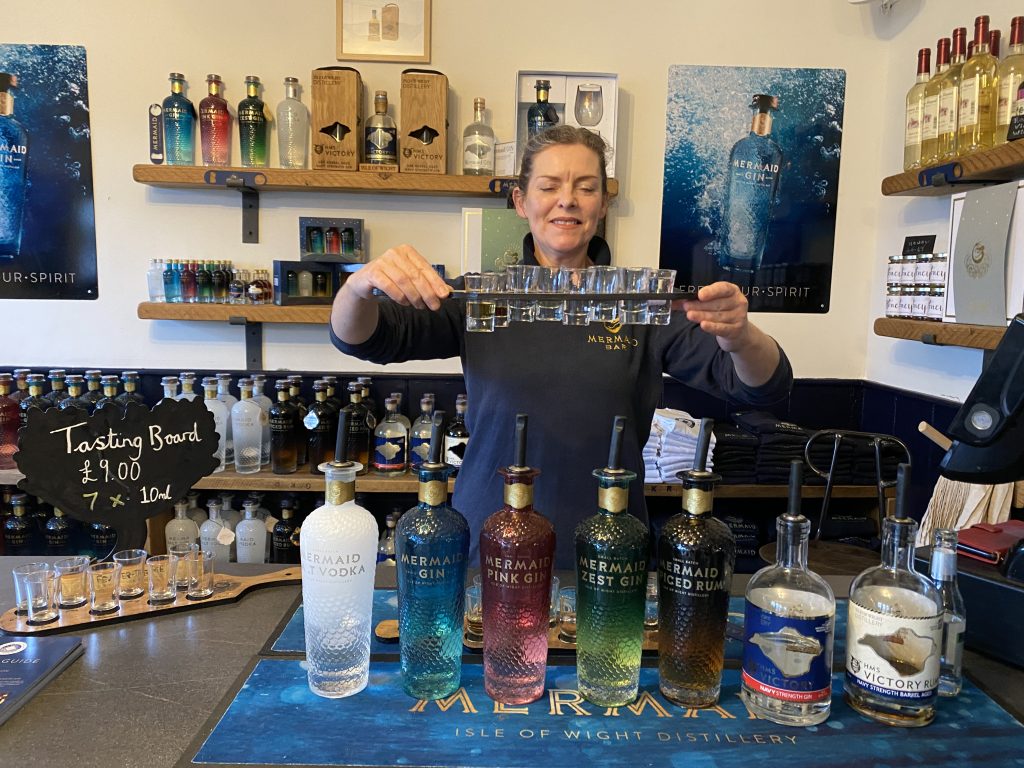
(751,181)
(47,225)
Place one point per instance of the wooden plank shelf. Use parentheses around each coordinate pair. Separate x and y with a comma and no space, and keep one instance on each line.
(941,334)
(1002,163)
(304,480)
(284,180)
(253,313)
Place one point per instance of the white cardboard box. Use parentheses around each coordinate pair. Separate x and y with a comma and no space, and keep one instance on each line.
(565,92)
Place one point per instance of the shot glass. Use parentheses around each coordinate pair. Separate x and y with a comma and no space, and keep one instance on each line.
(73,576)
(662,281)
(605,280)
(42,595)
(553,616)
(161,570)
(500,305)
(474,613)
(133,573)
(634,280)
(577,311)
(567,615)
(183,572)
(522,278)
(104,585)
(21,574)
(200,567)
(549,280)
(480,312)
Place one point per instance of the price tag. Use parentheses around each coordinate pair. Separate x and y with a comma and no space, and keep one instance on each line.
(1016,129)
(225,536)
(916,245)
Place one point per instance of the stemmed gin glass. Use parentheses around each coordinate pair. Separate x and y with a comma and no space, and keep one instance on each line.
(589,104)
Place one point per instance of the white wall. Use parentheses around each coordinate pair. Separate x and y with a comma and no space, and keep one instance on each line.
(480,46)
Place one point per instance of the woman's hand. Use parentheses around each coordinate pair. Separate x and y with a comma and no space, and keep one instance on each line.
(721,310)
(404,275)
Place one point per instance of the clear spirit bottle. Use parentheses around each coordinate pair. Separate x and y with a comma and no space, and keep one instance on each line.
(754,166)
(404,421)
(381,133)
(979,94)
(247,430)
(696,556)
(431,548)
(894,629)
(220,418)
(10,421)
(251,535)
(252,126)
(954,613)
(228,514)
(360,427)
(187,379)
(1008,79)
(283,548)
(611,583)
(456,437)
(478,143)
(386,545)
(179,118)
(284,451)
(155,280)
(211,534)
(789,628)
(541,115)
(338,547)
(930,108)
(321,424)
(169,384)
(517,547)
(419,440)
(181,530)
(12,169)
(229,400)
(949,98)
(389,442)
(292,127)
(913,133)
(259,381)
(215,124)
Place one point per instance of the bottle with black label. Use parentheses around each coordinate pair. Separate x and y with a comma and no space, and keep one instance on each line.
(360,425)
(284,450)
(456,437)
(381,134)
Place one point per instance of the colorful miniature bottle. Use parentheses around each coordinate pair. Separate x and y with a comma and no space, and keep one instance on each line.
(179,118)
(215,124)
(252,126)
(13,164)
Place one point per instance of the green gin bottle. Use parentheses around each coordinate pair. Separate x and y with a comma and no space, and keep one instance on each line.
(611,585)
(252,125)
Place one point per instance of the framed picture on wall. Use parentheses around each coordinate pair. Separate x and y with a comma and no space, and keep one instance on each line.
(371,30)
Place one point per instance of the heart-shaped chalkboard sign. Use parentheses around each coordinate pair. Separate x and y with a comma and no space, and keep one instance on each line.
(117,467)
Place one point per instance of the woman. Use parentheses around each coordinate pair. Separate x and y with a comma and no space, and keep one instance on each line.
(571,380)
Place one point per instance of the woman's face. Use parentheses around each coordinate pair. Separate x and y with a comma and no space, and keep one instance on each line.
(563,203)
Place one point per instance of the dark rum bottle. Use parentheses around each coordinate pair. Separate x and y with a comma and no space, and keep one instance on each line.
(215,124)
(696,555)
(9,424)
(321,424)
(517,547)
(284,452)
(252,126)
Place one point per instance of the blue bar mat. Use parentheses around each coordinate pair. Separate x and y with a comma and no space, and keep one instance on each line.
(275,720)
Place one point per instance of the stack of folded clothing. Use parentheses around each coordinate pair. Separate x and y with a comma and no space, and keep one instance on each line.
(676,446)
(651,472)
(735,454)
(779,442)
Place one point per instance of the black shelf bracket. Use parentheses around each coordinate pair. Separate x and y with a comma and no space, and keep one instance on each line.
(253,342)
(248,184)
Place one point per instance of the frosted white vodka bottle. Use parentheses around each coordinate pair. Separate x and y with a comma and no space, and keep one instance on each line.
(338,550)
(251,535)
(292,127)
(182,530)
(247,429)
(229,400)
(229,514)
(264,402)
(213,532)
(196,513)
(220,419)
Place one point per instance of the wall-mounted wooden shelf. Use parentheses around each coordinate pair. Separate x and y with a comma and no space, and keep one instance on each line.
(253,313)
(987,166)
(941,334)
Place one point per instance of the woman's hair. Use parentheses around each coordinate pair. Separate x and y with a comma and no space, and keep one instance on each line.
(563,134)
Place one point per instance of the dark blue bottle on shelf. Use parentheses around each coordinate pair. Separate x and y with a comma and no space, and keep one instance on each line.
(179,117)
(541,114)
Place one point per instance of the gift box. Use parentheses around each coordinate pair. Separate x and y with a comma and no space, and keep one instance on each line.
(327,239)
(423,123)
(336,118)
(308,282)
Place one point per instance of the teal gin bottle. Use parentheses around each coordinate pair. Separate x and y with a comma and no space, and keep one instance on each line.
(179,124)
(13,159)
(252,125)
(611,586)
(431,547)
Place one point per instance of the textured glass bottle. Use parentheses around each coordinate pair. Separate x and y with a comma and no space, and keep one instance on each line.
(220,418)
(179,118)
(541,115)
(284,449)
(211,532)
(321,424)
(247,430)
(229,400)
(517,547)
(389,442)
(9,424)
(251,535)
(359,432)
(913,133)
(181,530)
(292,127)
(338,548)
(215,124)
(13,164)
(478,143)
(611,585)
(894,629)
(954,613)
(696,555)
(789,628)
(381,133)
(979,94)
(431,547)
(252,126)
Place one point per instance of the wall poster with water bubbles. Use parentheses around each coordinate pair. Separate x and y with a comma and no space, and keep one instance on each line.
(47,225)
(751,177)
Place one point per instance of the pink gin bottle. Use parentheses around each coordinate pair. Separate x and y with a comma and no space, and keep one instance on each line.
(517,547)
(215,124)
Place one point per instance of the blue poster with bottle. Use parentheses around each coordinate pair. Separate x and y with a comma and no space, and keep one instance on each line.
(751,181)
(47,223)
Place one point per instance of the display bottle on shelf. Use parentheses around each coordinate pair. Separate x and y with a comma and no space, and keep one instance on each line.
(338,547)
(195,513)
(541,114)
(20,391)
(284,450)
(179,117)
(517,547)
(10,422)
(252,126)
(102,540)
(954,614)
(1009,76)
(58,390)
(282,539)
(789,628)
(894,629)
(390,438)
(93,387)
(979,94)
(611,584)
(696,556)
(169,385)
(130,395)
(386,544)
(332,392)
(187,379)
(57,534)
(204,283)
(419,438)
(76,395)
(381,134)
(19,536)
(994,38)
(360,428)
(431,549)
(35,400)
(109,400)
(221,417)
(229,514)
(155,280)
(321,425)
(259,381)
(949,98)
(478,143)
(220,277)
(368,401)
(215,124)
(215,535)
(295,389)
(456,436)
(292,127)
(188,283)
(913,133)
(229,400)
(181,530)
(251,535)
(930,108)
(247,430)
